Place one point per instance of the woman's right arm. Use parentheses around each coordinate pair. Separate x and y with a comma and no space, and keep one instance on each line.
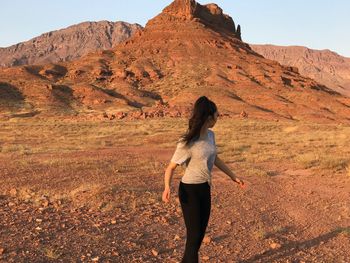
(180,156)
(169,174)
(167,180)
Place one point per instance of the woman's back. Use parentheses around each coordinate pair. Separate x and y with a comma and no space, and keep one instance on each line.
(198,158)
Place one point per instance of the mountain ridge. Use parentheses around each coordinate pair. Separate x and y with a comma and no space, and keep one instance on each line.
(68,43)
(326,66)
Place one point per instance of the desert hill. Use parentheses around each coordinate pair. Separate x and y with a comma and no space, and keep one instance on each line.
(68,43)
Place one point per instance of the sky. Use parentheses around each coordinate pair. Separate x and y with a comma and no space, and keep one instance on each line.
(317,24)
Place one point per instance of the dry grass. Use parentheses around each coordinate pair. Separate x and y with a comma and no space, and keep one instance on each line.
(30,137)
(50,252)
(260,233)
(348,169)
(308,145)
(346,231)
(247,144)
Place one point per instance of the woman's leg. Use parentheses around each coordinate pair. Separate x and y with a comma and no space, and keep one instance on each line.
(189,196)
(205,206)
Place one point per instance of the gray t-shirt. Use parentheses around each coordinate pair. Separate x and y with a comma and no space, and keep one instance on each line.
(198,158)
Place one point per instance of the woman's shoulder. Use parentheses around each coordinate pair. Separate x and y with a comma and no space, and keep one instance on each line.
(181,142)
(212,135)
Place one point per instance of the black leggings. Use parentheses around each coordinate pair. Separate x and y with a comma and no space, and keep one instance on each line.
(195,200)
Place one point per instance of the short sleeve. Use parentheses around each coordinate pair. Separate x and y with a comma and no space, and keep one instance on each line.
(214,141)
(181,154)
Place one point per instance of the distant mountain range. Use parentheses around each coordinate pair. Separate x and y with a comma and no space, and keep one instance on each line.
(68,43)
(324,66)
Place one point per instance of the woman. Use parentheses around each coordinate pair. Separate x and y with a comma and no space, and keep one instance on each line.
(197,151)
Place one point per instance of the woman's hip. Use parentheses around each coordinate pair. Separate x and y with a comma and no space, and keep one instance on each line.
(194,185)
(199,192)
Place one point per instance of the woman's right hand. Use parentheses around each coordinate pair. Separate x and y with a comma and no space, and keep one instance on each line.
(166,195)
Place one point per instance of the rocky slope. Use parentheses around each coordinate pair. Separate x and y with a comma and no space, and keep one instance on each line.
(67,44)
(186,51)
(324,66)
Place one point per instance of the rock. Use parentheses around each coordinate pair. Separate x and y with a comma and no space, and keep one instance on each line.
(214,9)
(163,219)
(286,81)
(205,258)
(244,114)
(210,15)
(206,239)
(2,250)
(159,103)
(121,73)
(294,69)
(13,192)
(95,259)
(113,221)
(154,252)
(45,203)
(275,245)
(183,9)
(238,33)
(120,115)
(177,237)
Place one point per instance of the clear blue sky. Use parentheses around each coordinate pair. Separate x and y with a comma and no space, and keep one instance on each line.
(318,24)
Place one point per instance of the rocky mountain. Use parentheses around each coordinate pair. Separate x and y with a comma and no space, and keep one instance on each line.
(186,51)
(67,44)
(325,66)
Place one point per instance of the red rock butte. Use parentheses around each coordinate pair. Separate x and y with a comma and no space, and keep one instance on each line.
(186,51)
(211,15)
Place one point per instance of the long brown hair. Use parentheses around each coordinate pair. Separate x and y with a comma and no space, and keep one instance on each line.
(203,108)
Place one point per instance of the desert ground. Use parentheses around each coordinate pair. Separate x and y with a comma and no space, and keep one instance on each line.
(90,191)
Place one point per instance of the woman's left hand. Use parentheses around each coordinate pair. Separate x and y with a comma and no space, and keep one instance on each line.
(239,182)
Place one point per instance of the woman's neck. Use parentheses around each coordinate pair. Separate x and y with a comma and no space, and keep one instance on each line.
(204,132)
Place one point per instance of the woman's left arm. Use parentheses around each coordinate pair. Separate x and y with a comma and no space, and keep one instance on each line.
(223,167)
